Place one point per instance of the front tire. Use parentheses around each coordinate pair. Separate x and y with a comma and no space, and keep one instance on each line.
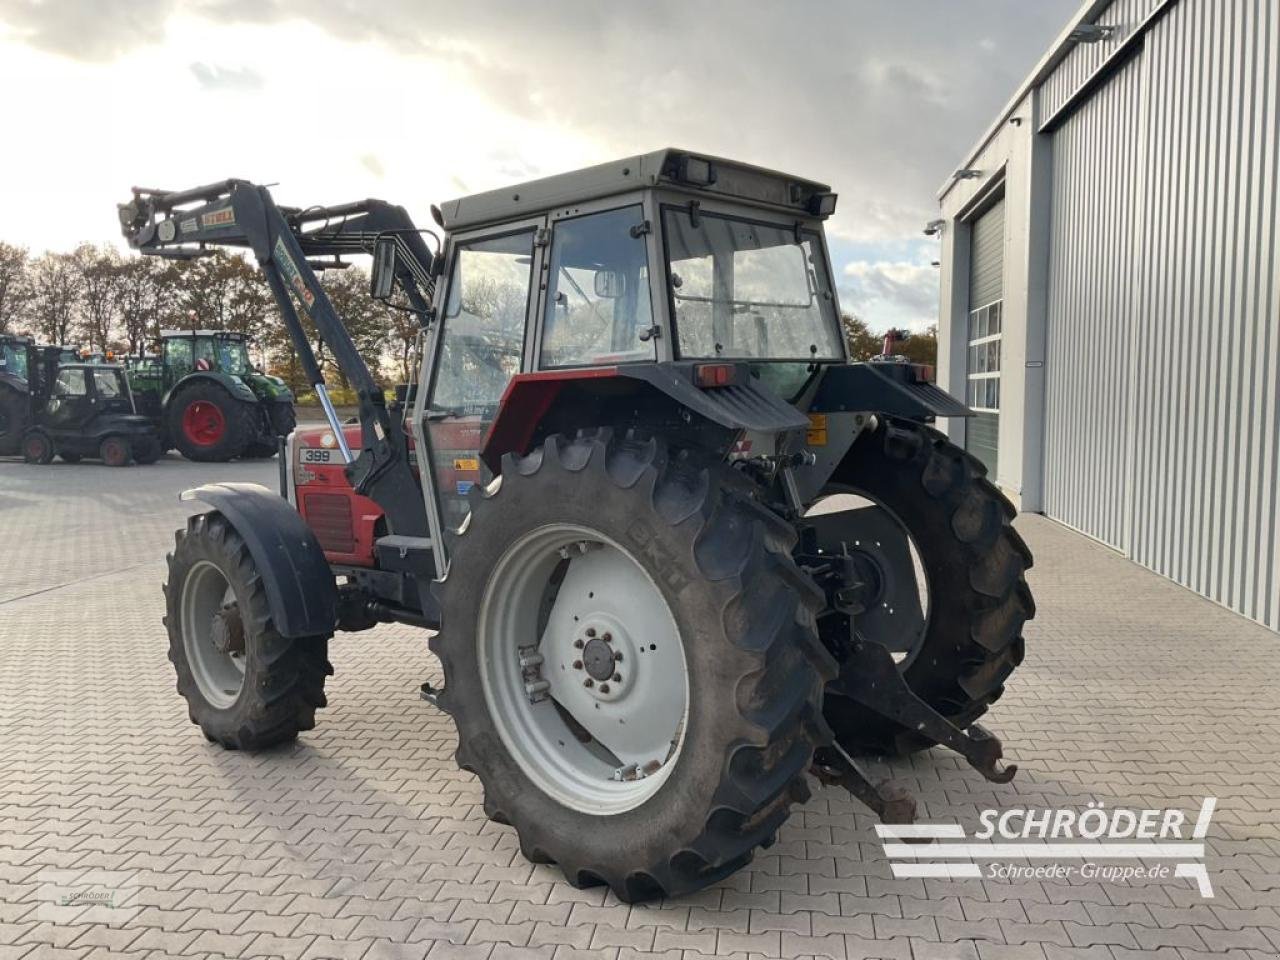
(975,565)
(246,686)
(667,531)
(37,447)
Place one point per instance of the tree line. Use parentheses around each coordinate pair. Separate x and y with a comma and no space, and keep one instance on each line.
(99,299)
(96,298)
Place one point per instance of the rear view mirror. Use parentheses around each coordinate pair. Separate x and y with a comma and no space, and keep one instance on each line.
(382,280)
(610,284)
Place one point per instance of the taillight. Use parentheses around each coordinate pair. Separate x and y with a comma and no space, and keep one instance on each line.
(714,374)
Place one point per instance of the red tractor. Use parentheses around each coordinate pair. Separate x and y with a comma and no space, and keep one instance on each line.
(678,552)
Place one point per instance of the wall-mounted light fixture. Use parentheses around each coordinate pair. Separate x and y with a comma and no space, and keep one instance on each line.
(1091,32)
(934,227)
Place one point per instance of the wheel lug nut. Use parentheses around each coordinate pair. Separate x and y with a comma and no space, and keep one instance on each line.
(604,688)
(617,656)
(608,638)
(578,643)
(577,664)
(617,678)
(588,682)
(591,631)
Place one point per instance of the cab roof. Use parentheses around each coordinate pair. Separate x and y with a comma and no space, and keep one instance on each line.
(680,169)
(227,334)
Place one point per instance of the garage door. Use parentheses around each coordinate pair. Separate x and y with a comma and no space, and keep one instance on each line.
(1092,304)
(986,307)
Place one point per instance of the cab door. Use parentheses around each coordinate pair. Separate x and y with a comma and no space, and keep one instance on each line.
(71,404)
(478,345)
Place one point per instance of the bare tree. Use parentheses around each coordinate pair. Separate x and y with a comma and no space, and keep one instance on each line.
(14,286)
(100,284)
(56,293)
(144,281)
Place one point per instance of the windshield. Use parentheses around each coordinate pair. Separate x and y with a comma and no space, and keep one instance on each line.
(13,360)
(741,289)
(233,357)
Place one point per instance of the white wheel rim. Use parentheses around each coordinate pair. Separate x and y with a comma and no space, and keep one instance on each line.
(218,674)
(633,717)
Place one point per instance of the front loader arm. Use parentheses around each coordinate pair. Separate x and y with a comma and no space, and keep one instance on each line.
(236,213)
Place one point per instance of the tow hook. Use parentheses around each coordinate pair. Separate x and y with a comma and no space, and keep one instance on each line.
(888,800)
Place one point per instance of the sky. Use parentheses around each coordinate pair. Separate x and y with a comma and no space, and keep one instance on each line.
(417,102)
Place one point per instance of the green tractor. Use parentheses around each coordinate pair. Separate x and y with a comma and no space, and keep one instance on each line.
(13,390)
(207,399)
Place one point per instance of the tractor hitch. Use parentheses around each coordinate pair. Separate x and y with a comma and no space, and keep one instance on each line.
(882,688)
(431,694)
(888,800)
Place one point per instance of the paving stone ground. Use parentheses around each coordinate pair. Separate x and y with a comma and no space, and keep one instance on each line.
(363,840)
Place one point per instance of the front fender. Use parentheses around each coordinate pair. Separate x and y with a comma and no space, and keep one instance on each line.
(301,590)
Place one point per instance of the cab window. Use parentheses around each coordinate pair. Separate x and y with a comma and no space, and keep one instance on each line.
(107,383)
(70,383)
(598,307)
(177,357)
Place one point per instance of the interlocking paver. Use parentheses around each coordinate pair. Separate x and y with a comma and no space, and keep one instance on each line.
(363,840)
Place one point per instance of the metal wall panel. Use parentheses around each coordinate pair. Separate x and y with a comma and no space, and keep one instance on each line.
(1093,259)
(1205,456)
(1084,59)
(1162,423)
(986,257)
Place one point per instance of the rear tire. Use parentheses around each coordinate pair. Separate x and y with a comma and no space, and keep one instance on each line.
(146,451)
(975,564)
(37,447)
(216,605)
(115,452)
(282,416)
(753,666)
(209,425)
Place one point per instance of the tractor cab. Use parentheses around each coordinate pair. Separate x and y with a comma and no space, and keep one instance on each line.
(667,258)
(220,351)
(13,357)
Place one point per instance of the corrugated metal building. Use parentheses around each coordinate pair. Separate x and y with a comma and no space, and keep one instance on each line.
(1111,291)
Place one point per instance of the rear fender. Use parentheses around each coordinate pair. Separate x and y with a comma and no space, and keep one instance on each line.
(301,591)
(894,389)
(662,396)
(233,385)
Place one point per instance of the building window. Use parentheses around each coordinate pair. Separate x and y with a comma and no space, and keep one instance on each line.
(983,388)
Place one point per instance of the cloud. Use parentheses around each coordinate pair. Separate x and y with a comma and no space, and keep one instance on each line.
(373,165)
(91,30)
(213,77)
(880,100)
(890,293)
